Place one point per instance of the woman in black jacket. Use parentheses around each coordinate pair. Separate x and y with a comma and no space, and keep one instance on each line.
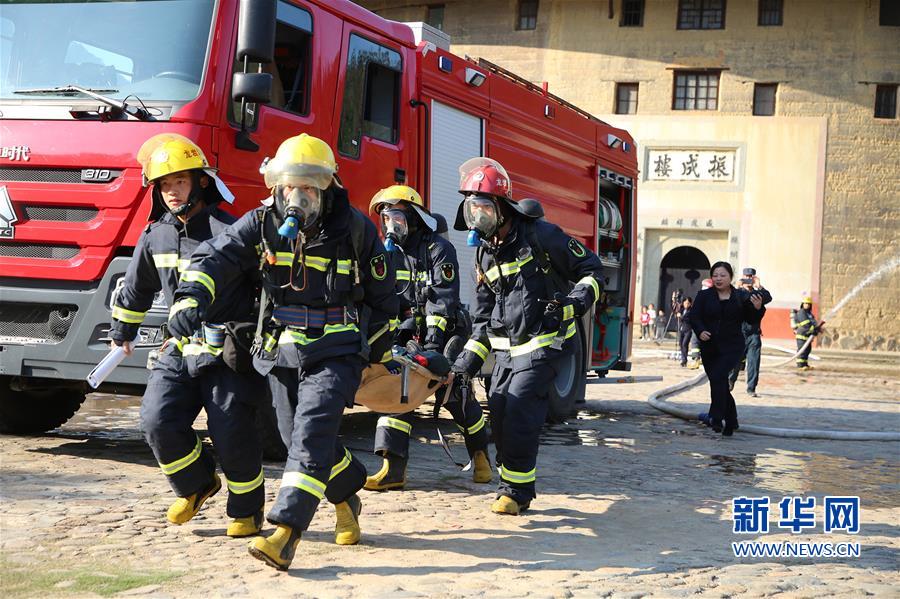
(716,317)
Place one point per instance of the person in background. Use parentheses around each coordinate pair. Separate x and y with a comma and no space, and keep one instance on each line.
(645,323)
(660,325)
(695,341)
(752,340)
(651,331)
(684,330)
(805,326)
(716,318)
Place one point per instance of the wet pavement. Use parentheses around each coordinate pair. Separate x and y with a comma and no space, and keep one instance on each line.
(631,503)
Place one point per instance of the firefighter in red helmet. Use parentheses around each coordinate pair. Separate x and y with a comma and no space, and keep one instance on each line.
(524,312)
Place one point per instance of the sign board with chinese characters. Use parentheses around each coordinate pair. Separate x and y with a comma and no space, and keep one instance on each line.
(706,165)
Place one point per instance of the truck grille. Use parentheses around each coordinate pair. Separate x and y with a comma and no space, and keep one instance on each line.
(53,175)
(35,323)
(57,213)
(38,250)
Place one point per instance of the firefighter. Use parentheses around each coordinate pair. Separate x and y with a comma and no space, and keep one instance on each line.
(430,312)
(328,297)
(190,374)
(805,326)
(525,312)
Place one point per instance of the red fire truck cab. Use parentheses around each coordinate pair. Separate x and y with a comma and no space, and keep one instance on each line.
(83,84)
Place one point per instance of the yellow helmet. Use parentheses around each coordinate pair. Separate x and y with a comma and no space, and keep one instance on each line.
(806,299)
(168,153)
(394,194)
(301,160)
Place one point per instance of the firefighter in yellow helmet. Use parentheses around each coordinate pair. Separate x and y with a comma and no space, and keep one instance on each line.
(805,326)
(431,315)
(190,373)
(328,301)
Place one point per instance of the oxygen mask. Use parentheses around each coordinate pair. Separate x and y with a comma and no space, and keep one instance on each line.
(482,218)
(300,207)
(394,228)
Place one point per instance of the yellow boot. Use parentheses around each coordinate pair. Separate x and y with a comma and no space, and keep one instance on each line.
(245,527)
(278,550)
(186,508)
(391,476)
(346,527)
(481,471)
(508,506)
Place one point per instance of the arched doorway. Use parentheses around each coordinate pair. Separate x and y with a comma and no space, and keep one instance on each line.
(681,269)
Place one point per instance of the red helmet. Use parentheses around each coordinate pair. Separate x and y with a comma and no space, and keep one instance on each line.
(484,175)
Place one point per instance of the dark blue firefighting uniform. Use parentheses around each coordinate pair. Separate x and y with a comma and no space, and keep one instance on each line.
(314,338)
(190,376)
(805,326)
(428,286)
(509,317)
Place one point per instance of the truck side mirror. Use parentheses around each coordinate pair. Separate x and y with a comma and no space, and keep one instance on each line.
(255,43)
(256,31)
(251,88)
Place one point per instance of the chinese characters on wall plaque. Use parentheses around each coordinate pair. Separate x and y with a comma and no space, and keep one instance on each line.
(691,165)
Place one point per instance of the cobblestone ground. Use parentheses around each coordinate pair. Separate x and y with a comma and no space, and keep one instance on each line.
(632,503)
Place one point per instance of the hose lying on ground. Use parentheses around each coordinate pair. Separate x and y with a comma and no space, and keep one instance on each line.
(656,399)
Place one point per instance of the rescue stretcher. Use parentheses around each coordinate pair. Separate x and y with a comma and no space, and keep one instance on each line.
(421,375)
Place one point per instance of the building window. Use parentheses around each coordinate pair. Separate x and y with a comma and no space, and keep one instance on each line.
(626,98)
(889,13)
(764,99)
(371,95)
(701,14)
(696,90)
(886,101)
(527,14)
(770,13)
(434,16)
(632,13)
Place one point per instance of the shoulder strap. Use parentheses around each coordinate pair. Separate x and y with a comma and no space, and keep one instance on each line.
(357,232)
(357,241)
(555,282)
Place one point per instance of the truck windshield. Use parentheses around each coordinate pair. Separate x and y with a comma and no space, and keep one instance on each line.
(155,50)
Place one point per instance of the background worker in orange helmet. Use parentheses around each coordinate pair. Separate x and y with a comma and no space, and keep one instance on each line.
(431,314)
(190,373)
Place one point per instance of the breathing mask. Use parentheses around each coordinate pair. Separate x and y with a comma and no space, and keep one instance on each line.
(394,227)
(300,207)
(482,216)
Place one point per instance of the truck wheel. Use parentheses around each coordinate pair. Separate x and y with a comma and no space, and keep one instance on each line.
(568,387)
(267,429)
(36,411)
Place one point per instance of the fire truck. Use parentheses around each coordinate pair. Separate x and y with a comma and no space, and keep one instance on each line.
(83,84)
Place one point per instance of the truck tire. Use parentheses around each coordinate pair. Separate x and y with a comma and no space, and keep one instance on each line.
(36,411)
(569,386)
(267,429)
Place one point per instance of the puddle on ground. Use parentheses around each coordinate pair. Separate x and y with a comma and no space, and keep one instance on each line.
(876,481)
(584,429)
(106,416)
